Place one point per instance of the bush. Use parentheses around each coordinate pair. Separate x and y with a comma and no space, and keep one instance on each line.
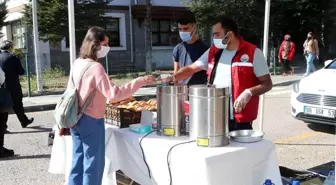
(55,72)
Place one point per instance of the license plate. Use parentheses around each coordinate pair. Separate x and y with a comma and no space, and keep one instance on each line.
(320,112)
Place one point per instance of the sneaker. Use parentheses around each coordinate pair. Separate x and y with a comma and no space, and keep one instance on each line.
(4,152)
(284,74)
(29,121)
(305,75)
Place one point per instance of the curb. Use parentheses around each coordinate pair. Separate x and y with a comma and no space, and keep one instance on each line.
(37,108)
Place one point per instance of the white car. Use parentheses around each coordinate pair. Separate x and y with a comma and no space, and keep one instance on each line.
(313,98)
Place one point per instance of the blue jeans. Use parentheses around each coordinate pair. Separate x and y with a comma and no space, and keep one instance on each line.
(88,153)
(310,57)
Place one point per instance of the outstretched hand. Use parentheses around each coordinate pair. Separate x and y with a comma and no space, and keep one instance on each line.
(149,80)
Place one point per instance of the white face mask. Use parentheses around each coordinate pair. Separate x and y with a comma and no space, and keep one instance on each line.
(221,43)
(103,51)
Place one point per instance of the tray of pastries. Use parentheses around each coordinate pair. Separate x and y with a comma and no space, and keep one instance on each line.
(126,112)
(134,105)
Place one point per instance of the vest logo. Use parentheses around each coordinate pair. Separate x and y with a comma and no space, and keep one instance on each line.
(244,58)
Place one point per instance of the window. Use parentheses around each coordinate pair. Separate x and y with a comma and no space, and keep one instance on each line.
(18,34)
(332,65)
(116,28)
(164,33)
(113,28)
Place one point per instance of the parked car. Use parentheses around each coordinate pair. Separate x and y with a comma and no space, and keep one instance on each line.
(313,98)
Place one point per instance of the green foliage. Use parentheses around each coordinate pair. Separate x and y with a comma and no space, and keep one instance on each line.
(18,53)
(287,16)
(248,14)
(53,18)
(3,14)
(53,78)
(55,72)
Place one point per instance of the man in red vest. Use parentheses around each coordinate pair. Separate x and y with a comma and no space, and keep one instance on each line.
(237,64)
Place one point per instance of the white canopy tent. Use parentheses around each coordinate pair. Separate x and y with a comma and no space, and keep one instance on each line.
(265,44)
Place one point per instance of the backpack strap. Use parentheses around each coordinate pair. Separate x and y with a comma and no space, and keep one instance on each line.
(86,103)
(87,66)
(89,98)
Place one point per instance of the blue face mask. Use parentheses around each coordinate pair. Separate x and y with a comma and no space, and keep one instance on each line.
(185,36)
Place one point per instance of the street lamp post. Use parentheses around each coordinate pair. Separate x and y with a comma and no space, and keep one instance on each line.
(265,50)
(38,64)
(72,37)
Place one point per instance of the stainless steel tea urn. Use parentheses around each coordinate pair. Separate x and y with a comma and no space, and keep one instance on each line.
(209,115)
(170,109)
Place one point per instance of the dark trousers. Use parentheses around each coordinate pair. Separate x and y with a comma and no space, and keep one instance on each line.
(233,125)
(286,66)
(3,127)
(19,110)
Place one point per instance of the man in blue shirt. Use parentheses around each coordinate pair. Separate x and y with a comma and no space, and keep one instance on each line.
(189,50)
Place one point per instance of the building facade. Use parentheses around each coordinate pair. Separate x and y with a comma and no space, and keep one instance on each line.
(126,28)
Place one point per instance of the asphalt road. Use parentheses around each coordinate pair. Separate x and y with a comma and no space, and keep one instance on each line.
(299,145)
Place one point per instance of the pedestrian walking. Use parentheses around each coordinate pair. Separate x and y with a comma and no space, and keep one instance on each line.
(286,55)
(12,67)
(4,106)
(311,52)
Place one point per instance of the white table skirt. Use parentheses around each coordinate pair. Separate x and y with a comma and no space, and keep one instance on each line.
(61,157)
(236,164)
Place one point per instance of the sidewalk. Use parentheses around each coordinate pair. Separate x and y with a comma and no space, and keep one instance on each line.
(48,102)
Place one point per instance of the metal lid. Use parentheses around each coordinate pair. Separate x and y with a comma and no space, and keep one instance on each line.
(208,91)
(172,89)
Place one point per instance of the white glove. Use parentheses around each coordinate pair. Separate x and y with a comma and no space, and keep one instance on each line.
(242,100)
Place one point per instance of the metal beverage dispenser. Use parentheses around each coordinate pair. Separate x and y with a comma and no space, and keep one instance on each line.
(170,109)
(209,115)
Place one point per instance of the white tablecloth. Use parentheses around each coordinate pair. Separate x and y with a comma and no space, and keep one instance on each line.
(236,164)
(61,157)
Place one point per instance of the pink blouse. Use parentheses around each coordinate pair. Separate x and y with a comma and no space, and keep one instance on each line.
(96,77)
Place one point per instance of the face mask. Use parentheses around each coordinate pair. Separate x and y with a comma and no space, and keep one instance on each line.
(221,43)
(103,51)
(185,36)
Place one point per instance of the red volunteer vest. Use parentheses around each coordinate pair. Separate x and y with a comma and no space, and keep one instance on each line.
(242,76)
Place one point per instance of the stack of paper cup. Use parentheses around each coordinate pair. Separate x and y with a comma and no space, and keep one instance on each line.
(164,76)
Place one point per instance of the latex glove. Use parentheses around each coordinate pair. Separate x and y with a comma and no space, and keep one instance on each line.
(242,100)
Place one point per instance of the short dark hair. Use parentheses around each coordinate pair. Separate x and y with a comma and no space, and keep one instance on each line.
(6,45)
(187,18)
(228,24)
(91,42)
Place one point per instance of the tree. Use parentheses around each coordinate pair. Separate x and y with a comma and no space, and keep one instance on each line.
(52,16)
(248,13)
(148,36)
(3,15)
(296,17)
